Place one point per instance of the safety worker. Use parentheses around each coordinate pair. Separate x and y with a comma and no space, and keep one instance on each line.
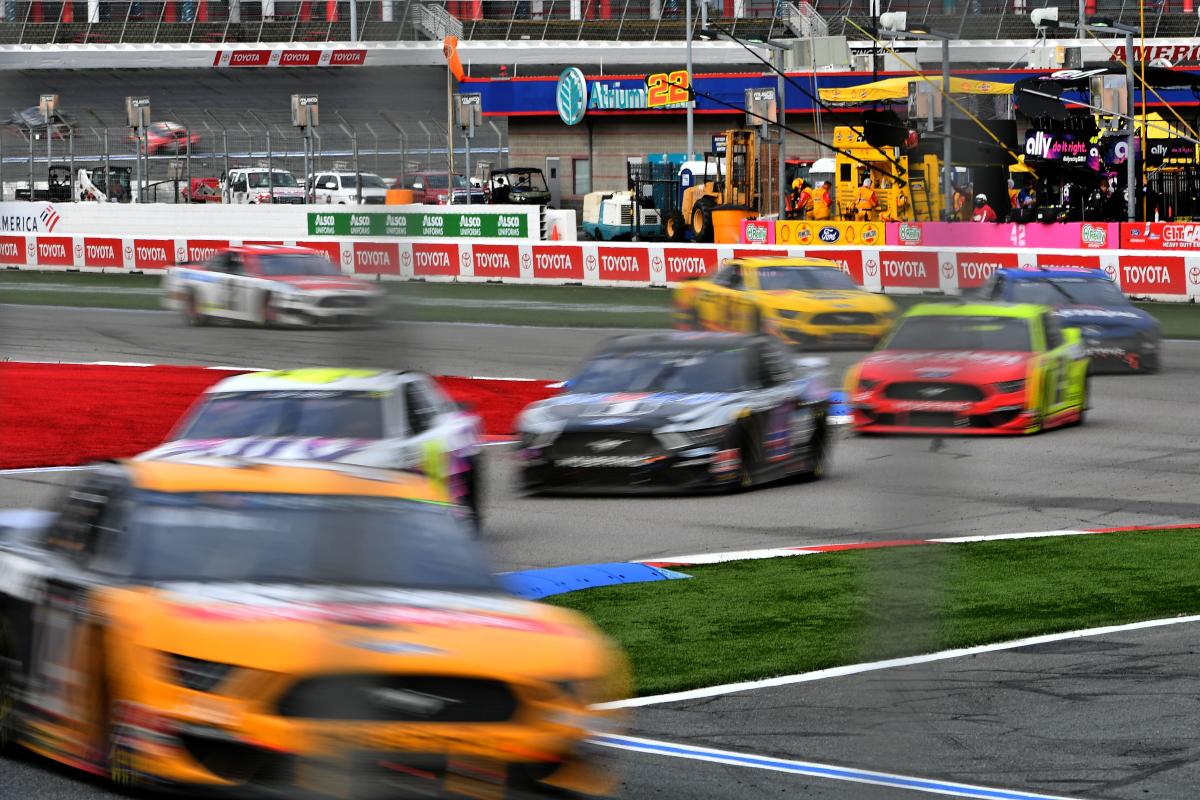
(804,200)
(1013,193)
(865,201)
(793,209)
(962,207)
(983,211)
(822,202)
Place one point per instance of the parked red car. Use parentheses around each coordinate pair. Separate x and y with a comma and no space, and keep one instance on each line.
(429,188)
(169,138)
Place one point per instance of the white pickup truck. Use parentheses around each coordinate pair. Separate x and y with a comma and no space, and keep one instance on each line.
(259,185)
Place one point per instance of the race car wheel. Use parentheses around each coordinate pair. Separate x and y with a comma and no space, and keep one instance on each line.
(1151,364)
(119,753)
(818,450)
(473,499)
(191,311)
(8,691)
(1084,401)
(270,315)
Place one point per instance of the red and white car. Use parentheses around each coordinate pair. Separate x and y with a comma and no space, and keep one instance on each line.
(270,285)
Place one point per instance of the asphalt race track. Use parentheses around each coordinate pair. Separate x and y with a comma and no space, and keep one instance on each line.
(1100,717)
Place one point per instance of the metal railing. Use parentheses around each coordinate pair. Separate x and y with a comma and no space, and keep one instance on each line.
(386,144)
(219,21)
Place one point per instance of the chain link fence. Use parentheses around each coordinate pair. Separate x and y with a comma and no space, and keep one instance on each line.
(390,145)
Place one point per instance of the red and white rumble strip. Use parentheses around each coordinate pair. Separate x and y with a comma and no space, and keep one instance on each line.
(809,550)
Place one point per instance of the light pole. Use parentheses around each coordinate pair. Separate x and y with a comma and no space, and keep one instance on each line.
(691,130)
(895,27)
(780,105)
(1048,18)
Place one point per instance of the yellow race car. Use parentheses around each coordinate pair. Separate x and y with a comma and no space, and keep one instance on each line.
(289,630)
(804,301)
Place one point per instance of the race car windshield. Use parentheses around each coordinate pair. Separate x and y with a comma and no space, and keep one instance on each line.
(295,264)
(337,415)
(685,372)
(1007,334)
(279,538)
(258,180)
(1067,291)
(773,279)
(368,182)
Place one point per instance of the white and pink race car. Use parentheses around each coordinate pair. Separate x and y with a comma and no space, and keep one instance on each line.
(270,285)
(383,419)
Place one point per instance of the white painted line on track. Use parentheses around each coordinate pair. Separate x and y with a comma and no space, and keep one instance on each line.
(31,470)
(996,537)
(875,666)
(815,770)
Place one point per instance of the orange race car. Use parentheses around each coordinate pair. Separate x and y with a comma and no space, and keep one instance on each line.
(289,630)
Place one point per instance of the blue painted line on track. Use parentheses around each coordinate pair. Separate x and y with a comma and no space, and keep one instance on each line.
(534,584)
(819,770)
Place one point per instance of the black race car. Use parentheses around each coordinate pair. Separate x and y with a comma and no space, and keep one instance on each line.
(679,411)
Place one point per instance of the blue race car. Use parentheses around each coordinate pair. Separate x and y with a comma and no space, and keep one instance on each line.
(1119,336)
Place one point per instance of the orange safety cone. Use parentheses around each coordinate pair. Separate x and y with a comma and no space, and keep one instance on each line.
(68,12)
(554,233)
(202,11)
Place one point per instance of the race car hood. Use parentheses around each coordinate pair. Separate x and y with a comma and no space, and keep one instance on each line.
(818,300)
(630,410)
(325,283)
(959,366)
(363,452)
(1106,321)
(298,629)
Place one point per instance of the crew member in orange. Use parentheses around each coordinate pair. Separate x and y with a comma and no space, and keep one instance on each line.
(865,202)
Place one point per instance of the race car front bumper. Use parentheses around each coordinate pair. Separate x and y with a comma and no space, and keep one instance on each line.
(995,413)
(643,466)
(321,310)
(1127,354)
(805,334)
(271,757)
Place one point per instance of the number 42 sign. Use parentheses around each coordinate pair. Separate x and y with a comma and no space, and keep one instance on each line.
(668,89)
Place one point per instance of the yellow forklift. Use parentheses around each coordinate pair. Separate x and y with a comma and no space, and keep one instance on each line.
(725,194)
(911,193)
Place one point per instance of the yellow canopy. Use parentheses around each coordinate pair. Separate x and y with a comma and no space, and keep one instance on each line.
(897,89)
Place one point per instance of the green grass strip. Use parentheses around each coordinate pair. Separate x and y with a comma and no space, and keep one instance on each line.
(492,303)
(750,620)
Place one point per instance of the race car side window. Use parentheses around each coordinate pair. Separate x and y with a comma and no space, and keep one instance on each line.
(420,411)
(773,366)
(729,276)
(107,548)
(71,535)
(1054,337)
(234,264)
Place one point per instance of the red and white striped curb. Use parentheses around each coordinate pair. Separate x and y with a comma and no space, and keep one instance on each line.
(808,550)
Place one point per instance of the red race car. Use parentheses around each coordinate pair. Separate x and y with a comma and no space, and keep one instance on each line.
(955,368)
(169,138)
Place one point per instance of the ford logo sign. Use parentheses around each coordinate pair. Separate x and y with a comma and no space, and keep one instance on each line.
(571,97)
(829,234)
